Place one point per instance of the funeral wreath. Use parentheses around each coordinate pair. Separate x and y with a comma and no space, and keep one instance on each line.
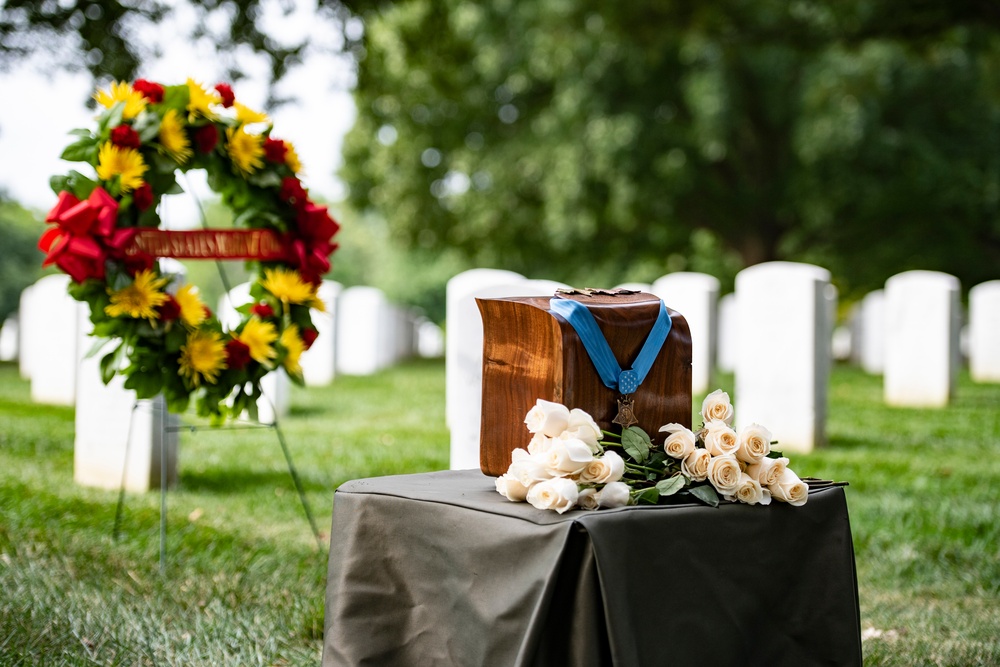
(571,462)
(152,329)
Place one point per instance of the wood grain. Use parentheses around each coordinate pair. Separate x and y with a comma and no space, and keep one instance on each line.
(531,353)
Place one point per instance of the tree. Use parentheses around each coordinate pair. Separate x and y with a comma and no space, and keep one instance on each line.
(593,142)
(21,261)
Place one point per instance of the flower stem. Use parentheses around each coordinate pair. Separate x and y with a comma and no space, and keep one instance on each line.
(636,466)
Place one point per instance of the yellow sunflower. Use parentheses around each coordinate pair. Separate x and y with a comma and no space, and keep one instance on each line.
(125,162)
(292,158)
(140,299)
(203,356)
(246,116)
(122,92)
(293,344)
(192,307)
(246,150)
(173,138)
(259,336)
(200,101)
(289,287)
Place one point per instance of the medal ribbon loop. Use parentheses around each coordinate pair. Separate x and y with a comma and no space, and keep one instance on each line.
(610,372)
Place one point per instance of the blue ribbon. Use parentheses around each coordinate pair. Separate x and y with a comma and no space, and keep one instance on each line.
(612,375)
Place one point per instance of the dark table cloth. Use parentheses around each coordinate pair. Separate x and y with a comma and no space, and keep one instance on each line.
(439,569)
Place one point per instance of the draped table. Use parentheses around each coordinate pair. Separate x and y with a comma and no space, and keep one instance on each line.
(439,569)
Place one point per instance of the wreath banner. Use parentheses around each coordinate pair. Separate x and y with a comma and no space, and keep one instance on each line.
(105,235)
(258,244)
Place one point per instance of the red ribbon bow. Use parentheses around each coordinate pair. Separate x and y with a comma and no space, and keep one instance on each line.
(310,247)
(84,235)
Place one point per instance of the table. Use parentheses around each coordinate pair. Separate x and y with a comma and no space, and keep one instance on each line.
(439,569)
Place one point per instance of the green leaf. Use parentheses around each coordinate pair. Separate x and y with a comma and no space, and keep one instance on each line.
(84,150)
(650,496)
(668,487)
(636,443)
(706,494)
(110,363)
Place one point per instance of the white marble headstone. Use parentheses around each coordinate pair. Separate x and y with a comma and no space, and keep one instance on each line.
(364,331)
(465,376)
(695,296)
(729,332)
(117,440)
(430,340)
(921,338)
(871,332)
(51,321)
(25,335)
(984,332)
(8,339)
(319,361)
(783,357)
(275,386)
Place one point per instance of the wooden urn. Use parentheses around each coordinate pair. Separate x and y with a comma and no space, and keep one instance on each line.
(530,352)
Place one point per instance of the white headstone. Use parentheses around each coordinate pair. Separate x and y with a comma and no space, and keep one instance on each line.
(783,358)
(364,331)
(118,440)
(461,286)
(52,323)
(984,332)
(275,386)
(465,375)
(8,339)
(695,296)
(921,338)
(26,320)
(430,340)
(729,332)
(871,332)
(319,361)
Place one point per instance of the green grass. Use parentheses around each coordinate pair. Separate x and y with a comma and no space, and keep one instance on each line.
(244,583)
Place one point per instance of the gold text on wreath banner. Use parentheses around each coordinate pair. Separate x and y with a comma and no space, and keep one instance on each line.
(259,244)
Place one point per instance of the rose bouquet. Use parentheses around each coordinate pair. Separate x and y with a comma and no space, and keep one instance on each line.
(571,462)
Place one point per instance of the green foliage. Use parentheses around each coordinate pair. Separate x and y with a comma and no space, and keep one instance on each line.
(592,143)
(21,261)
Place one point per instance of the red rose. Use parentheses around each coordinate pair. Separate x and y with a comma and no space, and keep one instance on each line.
(125,137)
(309,336)
(205,138)
(262,310)
(237,354)
(274,150)
(226,93)
(292,192)
(170,310)
(151,91)
(143,196)
(208,312)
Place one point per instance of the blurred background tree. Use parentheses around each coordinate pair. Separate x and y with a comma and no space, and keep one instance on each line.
(20,261)
(600,142)
(597,143)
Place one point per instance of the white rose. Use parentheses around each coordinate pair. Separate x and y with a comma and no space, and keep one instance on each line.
(720,439)
(588,500)
(526,468)
(790,489)
(547,418)
(510,487)
(768,471)
(679,443)
(749,491)
(608,468)
(559,494)
(540,443)
(754,443)
(695,465)
(583,427)
(717,406)
(567,457)
(615,494)
(724,474)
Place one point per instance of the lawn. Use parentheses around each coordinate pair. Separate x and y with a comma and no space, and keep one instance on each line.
(244,577)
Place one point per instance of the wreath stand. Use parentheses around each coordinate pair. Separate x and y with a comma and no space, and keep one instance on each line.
(195,428)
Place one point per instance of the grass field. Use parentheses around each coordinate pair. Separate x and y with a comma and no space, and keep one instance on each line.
(244,580)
